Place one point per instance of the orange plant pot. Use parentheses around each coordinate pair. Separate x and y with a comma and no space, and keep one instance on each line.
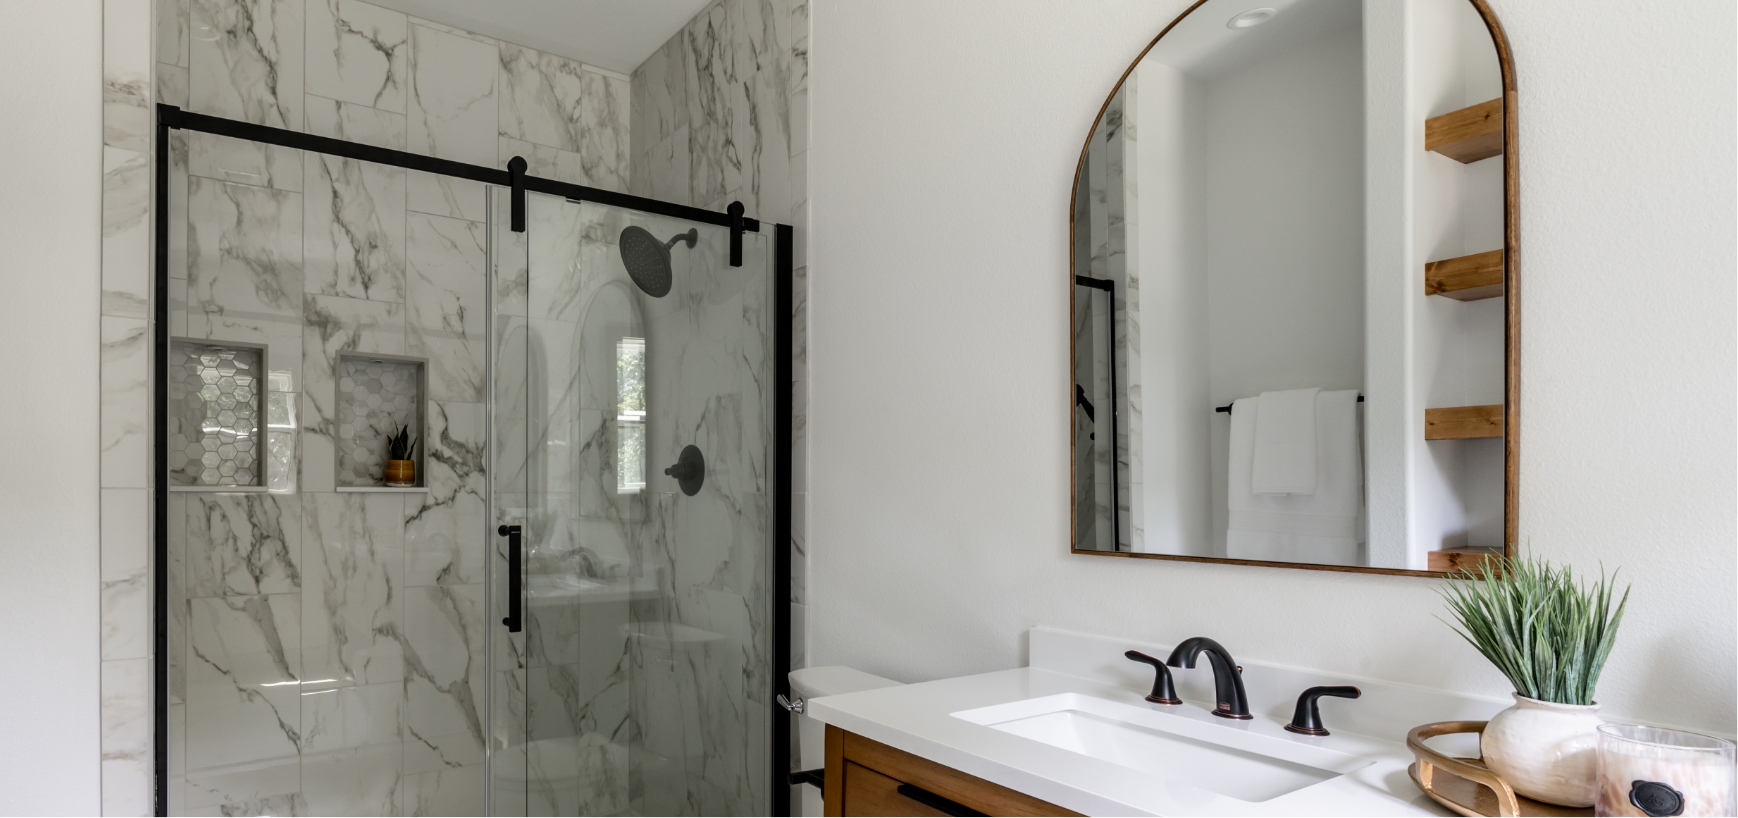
(401,473)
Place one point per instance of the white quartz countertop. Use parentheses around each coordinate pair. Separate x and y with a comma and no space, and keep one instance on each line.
(918,719)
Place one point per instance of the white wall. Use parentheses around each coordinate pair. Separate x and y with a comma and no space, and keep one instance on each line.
(51,229)
(945,137)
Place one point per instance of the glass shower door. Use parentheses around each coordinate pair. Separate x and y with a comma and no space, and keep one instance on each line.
(633,411)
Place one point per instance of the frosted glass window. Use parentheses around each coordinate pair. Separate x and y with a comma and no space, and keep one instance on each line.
(630,415)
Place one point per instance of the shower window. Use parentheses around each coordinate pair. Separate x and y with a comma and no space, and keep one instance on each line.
(630,415)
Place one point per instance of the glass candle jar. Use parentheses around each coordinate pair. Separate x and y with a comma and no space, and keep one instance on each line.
(1654,771)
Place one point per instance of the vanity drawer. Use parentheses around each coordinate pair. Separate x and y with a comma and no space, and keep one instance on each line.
(867,777)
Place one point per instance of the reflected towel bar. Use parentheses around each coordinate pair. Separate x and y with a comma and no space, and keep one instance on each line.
(1226,409)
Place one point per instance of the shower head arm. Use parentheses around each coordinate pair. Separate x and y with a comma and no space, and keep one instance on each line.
(691,237)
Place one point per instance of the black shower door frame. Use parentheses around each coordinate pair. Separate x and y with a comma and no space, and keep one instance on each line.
(170,117)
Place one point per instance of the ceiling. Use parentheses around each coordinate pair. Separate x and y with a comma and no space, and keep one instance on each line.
(613,34)
(1203,46)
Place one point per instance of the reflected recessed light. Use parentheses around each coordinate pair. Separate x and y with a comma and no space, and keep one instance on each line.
(1251,18)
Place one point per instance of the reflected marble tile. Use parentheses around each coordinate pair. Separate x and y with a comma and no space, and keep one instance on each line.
(356,52)
(448,304)
(445,196)
(450,791)
(353,597)
(126,233)
(799,553)
(242,544)
(444,532)
(246,60)
(125,402)
(444,682)
(127,59)
(126,737)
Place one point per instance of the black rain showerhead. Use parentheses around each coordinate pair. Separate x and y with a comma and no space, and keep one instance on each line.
(648,260)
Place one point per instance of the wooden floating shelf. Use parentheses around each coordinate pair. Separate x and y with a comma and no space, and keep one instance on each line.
(1463,422)
(1469,134)
(1457,559)
(1467,278)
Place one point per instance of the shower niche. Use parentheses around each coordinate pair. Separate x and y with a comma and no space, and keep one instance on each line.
(378,396)
(216,428)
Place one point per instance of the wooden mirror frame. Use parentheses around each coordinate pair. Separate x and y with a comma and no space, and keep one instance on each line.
(1511,323)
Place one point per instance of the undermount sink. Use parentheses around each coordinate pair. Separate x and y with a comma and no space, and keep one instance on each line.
(1225,759)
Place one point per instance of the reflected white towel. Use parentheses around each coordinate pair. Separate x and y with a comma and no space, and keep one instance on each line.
(1285,443)
(1326,527)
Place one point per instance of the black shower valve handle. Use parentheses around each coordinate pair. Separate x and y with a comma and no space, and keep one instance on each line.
(1307,719)
(1163,691)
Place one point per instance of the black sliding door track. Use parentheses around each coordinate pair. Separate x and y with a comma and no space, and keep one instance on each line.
(176,118)
(170,117)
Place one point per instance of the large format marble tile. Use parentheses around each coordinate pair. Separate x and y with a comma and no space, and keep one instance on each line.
(172,85)
(244,268)
(127,62)
(356,123)
(344,718)
(242,162)
(445,539)
(444,677)
(172,32)
(126,233)
(333,326)
(453,111)
(357,781)
(243,680)
(245,60)
(541,97)
(356,52)
(659,94)
(447,791)
(604,142)
(448,304)
(126,606)
(353,597)
(242,544)
(355,229)
(126,736)
(124,418)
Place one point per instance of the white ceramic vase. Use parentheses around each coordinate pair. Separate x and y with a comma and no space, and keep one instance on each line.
(1546,751)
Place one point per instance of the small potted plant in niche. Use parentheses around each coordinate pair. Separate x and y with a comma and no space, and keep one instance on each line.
(1550,635)
(400,459)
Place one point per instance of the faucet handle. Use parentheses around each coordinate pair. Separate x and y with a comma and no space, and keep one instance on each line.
(1307,719)
(1163,692)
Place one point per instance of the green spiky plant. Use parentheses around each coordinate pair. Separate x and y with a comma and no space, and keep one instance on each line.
(1546,631)
(400,445)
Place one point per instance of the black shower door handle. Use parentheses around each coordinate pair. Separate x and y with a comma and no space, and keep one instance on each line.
(515,560)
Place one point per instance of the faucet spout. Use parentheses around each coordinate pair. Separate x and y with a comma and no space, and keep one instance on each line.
(1231,701)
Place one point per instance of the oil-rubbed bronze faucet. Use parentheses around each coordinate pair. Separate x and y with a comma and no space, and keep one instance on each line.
(1163,692)
(1227,676)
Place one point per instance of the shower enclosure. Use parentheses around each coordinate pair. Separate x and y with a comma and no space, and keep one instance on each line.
(573,610)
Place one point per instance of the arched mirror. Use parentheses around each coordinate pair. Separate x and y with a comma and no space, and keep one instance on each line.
(1294,291)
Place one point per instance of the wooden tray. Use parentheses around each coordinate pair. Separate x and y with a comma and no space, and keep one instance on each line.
(1465,785)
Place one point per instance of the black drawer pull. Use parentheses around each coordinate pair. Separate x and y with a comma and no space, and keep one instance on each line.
(935,802)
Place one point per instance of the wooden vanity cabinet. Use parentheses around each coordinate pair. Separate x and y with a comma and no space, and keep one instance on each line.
(867,777)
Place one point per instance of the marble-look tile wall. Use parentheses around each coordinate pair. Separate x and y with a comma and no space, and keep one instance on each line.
(720,114)
(127,653)
(327,646)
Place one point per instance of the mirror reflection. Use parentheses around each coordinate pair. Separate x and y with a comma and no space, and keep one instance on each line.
(1289,302)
